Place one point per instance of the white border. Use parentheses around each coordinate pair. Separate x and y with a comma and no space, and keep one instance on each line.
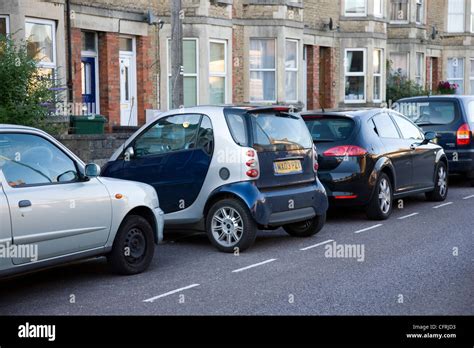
(275,70)
(357,74)
(52,23)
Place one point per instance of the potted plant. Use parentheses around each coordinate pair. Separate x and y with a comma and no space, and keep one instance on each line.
(444,87)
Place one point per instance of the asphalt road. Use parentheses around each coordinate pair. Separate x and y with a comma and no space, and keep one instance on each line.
(420,262)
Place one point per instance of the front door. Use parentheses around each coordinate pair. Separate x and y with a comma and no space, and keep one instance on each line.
(49,206)
(88,67)
(128,100)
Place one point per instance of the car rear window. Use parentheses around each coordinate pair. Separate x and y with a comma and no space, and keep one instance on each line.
(330,129)
(237,126)
(426,113)
(279,131)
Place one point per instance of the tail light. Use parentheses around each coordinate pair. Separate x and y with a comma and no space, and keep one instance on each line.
(252,166)
(315,159)
(345,151)
(463,135)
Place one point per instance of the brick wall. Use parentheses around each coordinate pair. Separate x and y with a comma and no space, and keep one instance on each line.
(109,77)
(76,65)
(144,78)
(238,72)
(313,77)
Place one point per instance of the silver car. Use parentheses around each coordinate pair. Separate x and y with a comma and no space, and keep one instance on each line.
(55,209)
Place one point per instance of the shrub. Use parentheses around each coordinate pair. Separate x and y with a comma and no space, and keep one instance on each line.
(444,87)
(399,86)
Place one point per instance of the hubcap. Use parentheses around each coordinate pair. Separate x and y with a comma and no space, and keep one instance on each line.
(135,245)
(442,181)
(385,197)
(227,226)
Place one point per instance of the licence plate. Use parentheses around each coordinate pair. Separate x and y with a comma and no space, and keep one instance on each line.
(287,167)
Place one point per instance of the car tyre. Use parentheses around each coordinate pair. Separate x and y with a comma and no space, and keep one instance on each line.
(230,226)
(440,192)
(306,228)
(381,204)
(134,246)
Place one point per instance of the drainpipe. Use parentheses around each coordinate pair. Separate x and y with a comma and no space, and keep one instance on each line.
(69,51)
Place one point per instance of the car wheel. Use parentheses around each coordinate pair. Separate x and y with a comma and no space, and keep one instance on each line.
(306,228)
(440,192)
(229,225)
(133,247)
(381,205)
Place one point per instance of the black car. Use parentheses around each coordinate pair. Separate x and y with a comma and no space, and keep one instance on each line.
(371,157)
(452,118)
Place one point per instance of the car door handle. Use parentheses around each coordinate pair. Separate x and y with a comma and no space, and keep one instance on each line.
(413,146)
(24,204)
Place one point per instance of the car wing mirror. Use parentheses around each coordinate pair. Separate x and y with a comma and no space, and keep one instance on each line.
(129,153)
(429,137)
(92,170)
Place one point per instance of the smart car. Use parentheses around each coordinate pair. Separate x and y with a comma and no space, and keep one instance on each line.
(371,157)
(452,118)
(54,209)
(229,171)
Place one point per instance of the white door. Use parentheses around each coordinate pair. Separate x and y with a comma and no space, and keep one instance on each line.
(128,98)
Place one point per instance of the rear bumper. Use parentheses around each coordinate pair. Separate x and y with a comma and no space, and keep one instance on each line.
(347,189)
(464,163)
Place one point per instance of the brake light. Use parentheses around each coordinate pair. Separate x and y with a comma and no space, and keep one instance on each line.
(463,135)
(252,166)
(346,197)
(315,159)
(345,151)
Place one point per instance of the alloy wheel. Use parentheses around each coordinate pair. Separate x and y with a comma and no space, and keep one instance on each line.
(385,196)
(442,181)
(227,226)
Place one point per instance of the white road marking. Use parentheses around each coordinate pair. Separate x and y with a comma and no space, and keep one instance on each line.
(442,205)
(407,216)
(469,197)
(316,245)
(368,228)
(170,293)
(252,266)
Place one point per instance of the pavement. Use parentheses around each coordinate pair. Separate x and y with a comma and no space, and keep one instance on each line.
(419,262)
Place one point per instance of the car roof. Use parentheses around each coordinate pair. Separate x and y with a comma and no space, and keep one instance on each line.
(352,113)
(4,126)
(444,96)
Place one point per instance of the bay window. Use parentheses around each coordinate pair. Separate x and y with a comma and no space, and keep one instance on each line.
(456,73)
(217,72)
(419,68)
(420,11)
(399,63)
(291,71)
(377,73)
(378,8)
(190,75)
(456,16)
(4,26)
(355,75)
(399,10)
(40,35)
(262,70)
(355,7)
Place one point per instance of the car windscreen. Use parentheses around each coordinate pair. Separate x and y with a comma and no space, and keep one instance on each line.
(428,113)
(279,131)
(330,129)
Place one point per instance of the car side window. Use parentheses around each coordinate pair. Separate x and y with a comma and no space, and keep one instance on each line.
(205,139)
(385,127)
(27,159)
(168,134)
(409,130)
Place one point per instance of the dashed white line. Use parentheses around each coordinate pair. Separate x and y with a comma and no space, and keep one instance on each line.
(407,216)
(469,197)
(252,266)
(170,293)
(368,228)
(316,245)
(442,205)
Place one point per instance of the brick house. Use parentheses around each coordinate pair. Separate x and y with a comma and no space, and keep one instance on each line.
(312,53)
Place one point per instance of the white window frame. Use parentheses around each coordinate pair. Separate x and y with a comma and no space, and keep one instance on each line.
(463,18)
(420,6)
(471,77)
(364,14)
(420,76)
(379,75)
(270,70)
(408,62)
(294,69)
(357,74)
(47,65)
(454,79)
(7,23)
(168,67)
(381,8)
(472,17)
(399,21)
(215,74)
(95,55)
